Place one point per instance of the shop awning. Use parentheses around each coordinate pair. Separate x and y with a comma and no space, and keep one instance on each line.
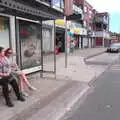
(18,9)
(74,17)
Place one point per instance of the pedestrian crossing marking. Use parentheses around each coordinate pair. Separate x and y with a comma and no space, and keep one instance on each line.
(115,67)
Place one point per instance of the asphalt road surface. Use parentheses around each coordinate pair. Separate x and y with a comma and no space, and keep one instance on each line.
(103,103)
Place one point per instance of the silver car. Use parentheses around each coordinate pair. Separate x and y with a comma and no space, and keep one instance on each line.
(115,47)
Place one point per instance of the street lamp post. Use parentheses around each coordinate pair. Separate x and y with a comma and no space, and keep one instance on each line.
(66,54)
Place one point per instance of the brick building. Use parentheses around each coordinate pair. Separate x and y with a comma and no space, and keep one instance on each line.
(101,28)
(96,24)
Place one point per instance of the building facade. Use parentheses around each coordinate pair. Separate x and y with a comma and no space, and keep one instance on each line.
(101,28)
(96,24)
(28,28)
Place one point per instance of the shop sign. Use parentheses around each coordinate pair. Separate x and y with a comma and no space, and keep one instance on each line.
(60,22)
(77,9)
(76,31)
(75,28)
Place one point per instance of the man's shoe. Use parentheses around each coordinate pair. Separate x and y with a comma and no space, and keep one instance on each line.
(9,104)
(21,98)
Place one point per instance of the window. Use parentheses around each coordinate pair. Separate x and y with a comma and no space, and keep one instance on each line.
(62,3)
(85,23)
(58,3)
(85,9)
(4,31)
(90,14)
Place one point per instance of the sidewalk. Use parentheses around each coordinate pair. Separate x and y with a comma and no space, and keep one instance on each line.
(77,70)
(90,52)
(54,97)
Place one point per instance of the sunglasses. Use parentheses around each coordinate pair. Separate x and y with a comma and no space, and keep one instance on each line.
(9,53)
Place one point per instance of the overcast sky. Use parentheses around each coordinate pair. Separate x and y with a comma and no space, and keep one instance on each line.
(111,6)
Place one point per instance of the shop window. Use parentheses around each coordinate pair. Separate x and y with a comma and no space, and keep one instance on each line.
(62,3)
(30,42)
(85,9)
(47,40)
(58,3)
(4,32)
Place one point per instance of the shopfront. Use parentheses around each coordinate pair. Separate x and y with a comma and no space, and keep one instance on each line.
(84,38)
(76,31)
(60,35)
(99,41)
(75,38)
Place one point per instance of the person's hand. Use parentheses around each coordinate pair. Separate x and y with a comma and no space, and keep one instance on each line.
(1,74)
(7,74)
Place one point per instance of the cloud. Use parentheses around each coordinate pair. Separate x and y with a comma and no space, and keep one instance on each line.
(110,6)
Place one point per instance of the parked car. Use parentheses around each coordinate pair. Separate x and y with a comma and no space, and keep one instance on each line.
(115,47)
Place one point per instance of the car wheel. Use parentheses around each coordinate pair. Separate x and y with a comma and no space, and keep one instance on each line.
(117,51)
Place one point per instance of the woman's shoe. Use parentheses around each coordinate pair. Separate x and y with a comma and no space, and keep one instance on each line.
(32,88)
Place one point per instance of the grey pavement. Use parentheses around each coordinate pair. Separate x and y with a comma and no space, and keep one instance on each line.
(103,103)
(77,70)
(59,106)
(48,60)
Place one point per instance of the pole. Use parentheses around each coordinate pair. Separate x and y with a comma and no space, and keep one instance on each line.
(66,55)
(41,38)
(54,49)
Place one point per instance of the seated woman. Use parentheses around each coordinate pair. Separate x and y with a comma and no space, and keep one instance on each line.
(6,78)
(17,73)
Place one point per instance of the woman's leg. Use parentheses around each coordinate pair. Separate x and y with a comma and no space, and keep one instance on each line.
(27,82)
(22,86)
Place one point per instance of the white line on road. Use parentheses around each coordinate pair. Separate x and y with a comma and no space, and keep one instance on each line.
(72,103)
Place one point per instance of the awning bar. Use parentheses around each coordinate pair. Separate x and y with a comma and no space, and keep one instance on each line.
(24,8)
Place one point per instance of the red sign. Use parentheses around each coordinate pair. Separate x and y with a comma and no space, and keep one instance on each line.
(68,7)
(115,41)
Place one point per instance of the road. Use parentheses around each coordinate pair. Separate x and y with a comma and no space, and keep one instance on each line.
(103,59)
(103,103)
